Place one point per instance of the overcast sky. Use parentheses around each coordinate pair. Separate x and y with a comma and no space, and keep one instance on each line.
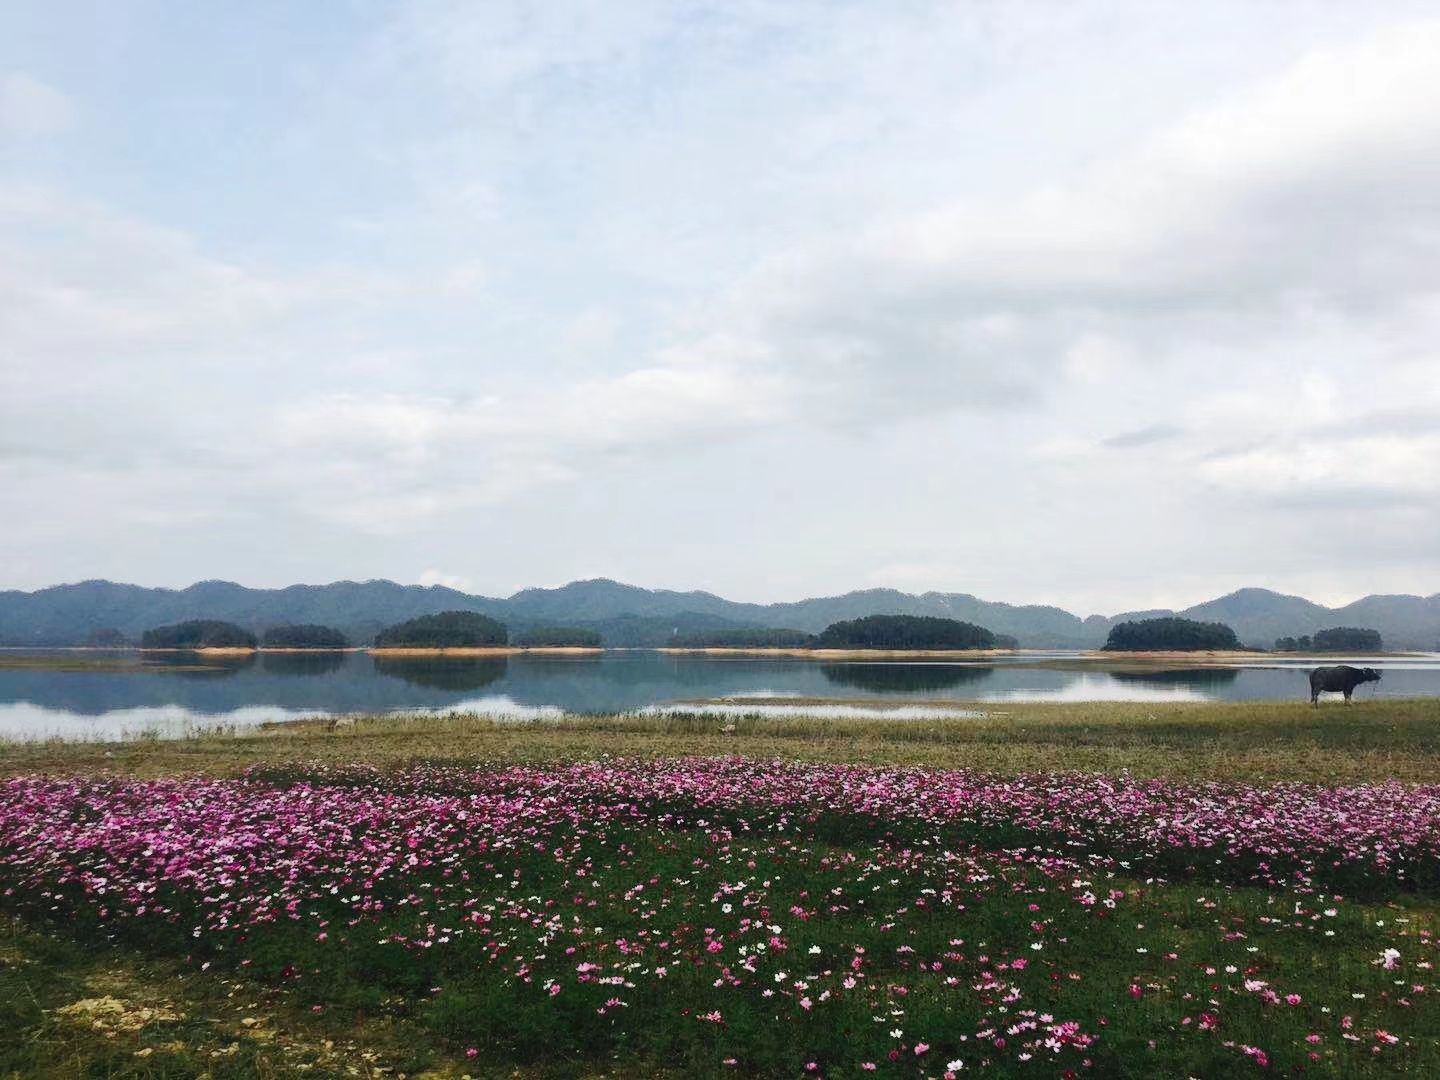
(1104,304)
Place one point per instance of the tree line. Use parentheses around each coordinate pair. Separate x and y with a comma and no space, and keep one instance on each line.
(447,629)
(469,629)
(1336,639)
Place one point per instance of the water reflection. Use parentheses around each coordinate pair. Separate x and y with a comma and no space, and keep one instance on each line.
(56,693)
(1202,678)
(299,664)
(194,665)
(903,678)
(444,673)
(1101,686)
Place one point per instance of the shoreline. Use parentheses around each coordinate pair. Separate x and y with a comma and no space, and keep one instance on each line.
(484,650)
(1057,655)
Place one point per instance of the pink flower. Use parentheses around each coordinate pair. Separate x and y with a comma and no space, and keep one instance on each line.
(920,1048)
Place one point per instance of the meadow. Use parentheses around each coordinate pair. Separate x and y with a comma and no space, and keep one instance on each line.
(1093,890)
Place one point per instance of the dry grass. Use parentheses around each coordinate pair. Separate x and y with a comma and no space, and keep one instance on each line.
(1366,741)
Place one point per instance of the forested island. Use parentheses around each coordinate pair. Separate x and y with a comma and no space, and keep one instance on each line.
(1171,634)
(1337,639)
(446,630)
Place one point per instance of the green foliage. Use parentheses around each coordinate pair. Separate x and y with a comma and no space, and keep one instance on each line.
(756,637)
(198,634)
(309,636)
(1336,639)
(447,630)
(559,636)
(1348,639)
(905,632)
(1170,634)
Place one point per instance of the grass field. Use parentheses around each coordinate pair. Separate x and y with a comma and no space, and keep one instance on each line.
(1088,890)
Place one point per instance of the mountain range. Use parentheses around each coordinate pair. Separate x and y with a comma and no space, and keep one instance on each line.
(627,615)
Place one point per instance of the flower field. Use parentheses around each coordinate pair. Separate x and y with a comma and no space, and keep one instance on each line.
(729,917)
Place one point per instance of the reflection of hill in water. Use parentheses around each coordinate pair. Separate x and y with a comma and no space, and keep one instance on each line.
(451,673)
(192,665)
(894,678)
(301,663)
(1197,677)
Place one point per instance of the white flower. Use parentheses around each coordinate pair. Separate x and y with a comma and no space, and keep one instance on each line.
(896,1033)
(955,1066)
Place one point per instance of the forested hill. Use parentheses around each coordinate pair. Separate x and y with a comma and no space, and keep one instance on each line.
(628,615)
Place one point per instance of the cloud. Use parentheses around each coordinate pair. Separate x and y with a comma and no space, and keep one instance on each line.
(1146,436)
(1317,189)
(1305,198)
(439,577)
(31,107)
(400,458)
(120,334)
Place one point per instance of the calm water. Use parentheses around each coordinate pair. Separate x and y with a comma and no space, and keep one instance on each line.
(170,698)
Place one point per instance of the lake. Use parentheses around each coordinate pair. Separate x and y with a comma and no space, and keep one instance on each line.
(113,695)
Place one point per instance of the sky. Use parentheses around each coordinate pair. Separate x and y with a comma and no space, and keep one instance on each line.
(1104,304)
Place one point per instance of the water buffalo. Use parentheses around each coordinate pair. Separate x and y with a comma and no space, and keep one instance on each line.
(1342,679)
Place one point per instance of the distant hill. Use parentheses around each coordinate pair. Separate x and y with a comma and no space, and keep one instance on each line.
(68,614)
(626,615)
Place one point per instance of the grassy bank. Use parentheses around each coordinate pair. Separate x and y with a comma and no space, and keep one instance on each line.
(1368,740)
(1096,890)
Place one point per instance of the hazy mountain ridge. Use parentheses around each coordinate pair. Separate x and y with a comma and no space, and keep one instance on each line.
(630,615)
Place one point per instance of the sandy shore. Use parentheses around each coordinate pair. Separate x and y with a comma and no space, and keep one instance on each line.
(854,654)
(490,650)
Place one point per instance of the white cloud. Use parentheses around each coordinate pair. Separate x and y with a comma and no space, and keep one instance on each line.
(1346,470)
(1319,188)
(31,107)
(440,577)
